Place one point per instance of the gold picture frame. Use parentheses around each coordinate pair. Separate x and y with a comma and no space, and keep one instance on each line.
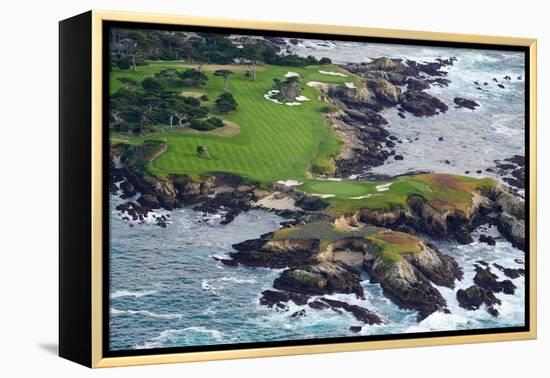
(93,354)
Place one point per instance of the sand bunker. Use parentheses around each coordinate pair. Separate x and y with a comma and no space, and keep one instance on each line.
(333,73)
(291,74)
(361,197)
(383,187)
(271,96)
(277,201)
(191,94)
(289,182)
(316,84)
(350,85)
(323,195)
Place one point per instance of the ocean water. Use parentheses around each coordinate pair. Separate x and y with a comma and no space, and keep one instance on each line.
(168,291)
(472,140)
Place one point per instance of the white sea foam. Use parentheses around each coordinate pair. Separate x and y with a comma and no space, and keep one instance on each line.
(115,311)
(170,336)
(128,293)
(206,285)
(238,280)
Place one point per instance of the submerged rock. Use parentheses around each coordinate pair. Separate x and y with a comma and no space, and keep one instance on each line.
(487,280)
(473,297)
(465,103)
(360,313)
(509,272)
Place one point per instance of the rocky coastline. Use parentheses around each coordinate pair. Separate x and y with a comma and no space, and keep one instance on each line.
(315,266)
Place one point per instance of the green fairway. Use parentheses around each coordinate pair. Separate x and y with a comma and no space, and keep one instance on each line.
(275,141)
(443,191)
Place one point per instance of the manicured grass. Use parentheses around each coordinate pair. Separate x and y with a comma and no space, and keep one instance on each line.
(442,191)
(275,141)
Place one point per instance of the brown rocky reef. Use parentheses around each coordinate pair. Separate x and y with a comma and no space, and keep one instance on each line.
(312,270)
(497,206)
(485,285)
(366,143)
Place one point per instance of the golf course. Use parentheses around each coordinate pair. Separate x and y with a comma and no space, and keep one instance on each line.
(267,142)
(274,141)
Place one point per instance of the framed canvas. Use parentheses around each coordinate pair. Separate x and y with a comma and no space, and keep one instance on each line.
(234,189)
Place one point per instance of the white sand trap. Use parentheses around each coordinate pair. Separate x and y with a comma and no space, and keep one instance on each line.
(383,187)
(302,98)
(290,182)
(350,85)
(291,74)
(353,177)
(361,197)
(316,84)
(269,96)
(277,201)
(323,195)
(333,73)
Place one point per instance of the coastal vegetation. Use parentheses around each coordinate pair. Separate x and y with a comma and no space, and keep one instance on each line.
(291,134)
(275,141)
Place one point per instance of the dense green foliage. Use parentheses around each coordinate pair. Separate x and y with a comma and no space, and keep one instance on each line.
(226,103)
(205,48)
(206,124)
(137,110)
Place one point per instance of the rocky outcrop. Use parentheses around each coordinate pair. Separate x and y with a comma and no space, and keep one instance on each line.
(421,104)
(407,282)
(278,299)
(268,253)
(487,280)
(512,171)
(414,84)
(465,103)
(509,272)
(360,313)
(359,98)
(364,141)
(323,278)
(386,93)
(511,218)
(473,297)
